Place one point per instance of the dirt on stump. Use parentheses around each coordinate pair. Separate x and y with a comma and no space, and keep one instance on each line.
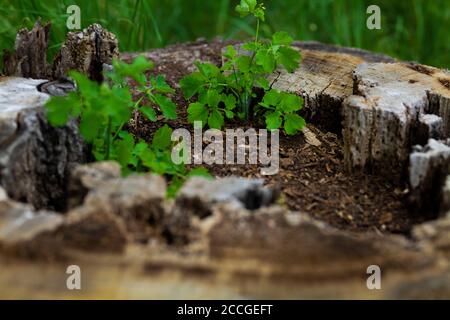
(312,179)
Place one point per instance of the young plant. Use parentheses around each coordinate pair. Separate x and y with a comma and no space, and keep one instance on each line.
(104,109)
(228,91)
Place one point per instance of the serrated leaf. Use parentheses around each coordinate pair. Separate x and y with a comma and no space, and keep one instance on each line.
(59,109)
(149,112)
(229,101)
(230,52)
(197,112)
(116,103)
(140,147)
(265,59)
(191,84)
(244,63)
(289,58)
(293,123)
(251,46)
(273,120)
(215,119)
(90,125)
(229,114)
(213,98)
(290,102)
(159,84)
(245,7)
(281,38)
(263,83)
(162,138)
(271,98)
(168,108)
(86,87)
(207,69)
(124,148)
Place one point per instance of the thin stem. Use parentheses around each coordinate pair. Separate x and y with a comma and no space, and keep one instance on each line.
(257,32)
(108,138)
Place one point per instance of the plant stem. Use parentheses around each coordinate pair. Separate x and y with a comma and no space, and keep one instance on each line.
(108,138)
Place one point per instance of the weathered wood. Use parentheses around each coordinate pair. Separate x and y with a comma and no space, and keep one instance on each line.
(35,158)
(86,51)
(29,59)
(429,167)
(388,112)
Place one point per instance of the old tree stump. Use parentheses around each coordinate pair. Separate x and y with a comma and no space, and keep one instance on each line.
(392,118)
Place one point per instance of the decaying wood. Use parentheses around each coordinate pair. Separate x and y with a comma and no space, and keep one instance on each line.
(277,252)
(29,59)
(86,51)
(35,158)
(429,167)
(324,79)
(390,111)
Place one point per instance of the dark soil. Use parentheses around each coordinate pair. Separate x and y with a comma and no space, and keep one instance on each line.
(312,179)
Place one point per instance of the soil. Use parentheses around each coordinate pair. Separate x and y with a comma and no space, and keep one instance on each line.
(312,179)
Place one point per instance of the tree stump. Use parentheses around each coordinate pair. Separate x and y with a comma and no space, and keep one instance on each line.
(29,59)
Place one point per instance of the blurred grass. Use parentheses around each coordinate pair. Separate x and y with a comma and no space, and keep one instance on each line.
(411,29)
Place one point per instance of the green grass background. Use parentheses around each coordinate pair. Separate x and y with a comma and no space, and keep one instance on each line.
(411,29)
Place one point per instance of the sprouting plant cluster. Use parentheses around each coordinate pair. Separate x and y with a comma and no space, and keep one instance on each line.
(215,94)
(228,91)
(105,109)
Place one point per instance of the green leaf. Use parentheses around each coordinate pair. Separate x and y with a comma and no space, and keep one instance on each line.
(273,120)
(229,101)
(162,138)
(168,108)
(149,112)
(259,14)
(246,7)
(197,112)
(229,114)
(159,84)
(116,103)
(290,102)
(207,69)
(293,123)
(244,63)
(191,84)
(124,148)
(271,98)
(265,59)
(215,119)
(59,109)
(85,86)
(213,98)
(135,70)
(281,38)
(230,52)
(199,172)
(140,148)
(251,46)
(289,58)
(263,83)
(90,125)
(174,186)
